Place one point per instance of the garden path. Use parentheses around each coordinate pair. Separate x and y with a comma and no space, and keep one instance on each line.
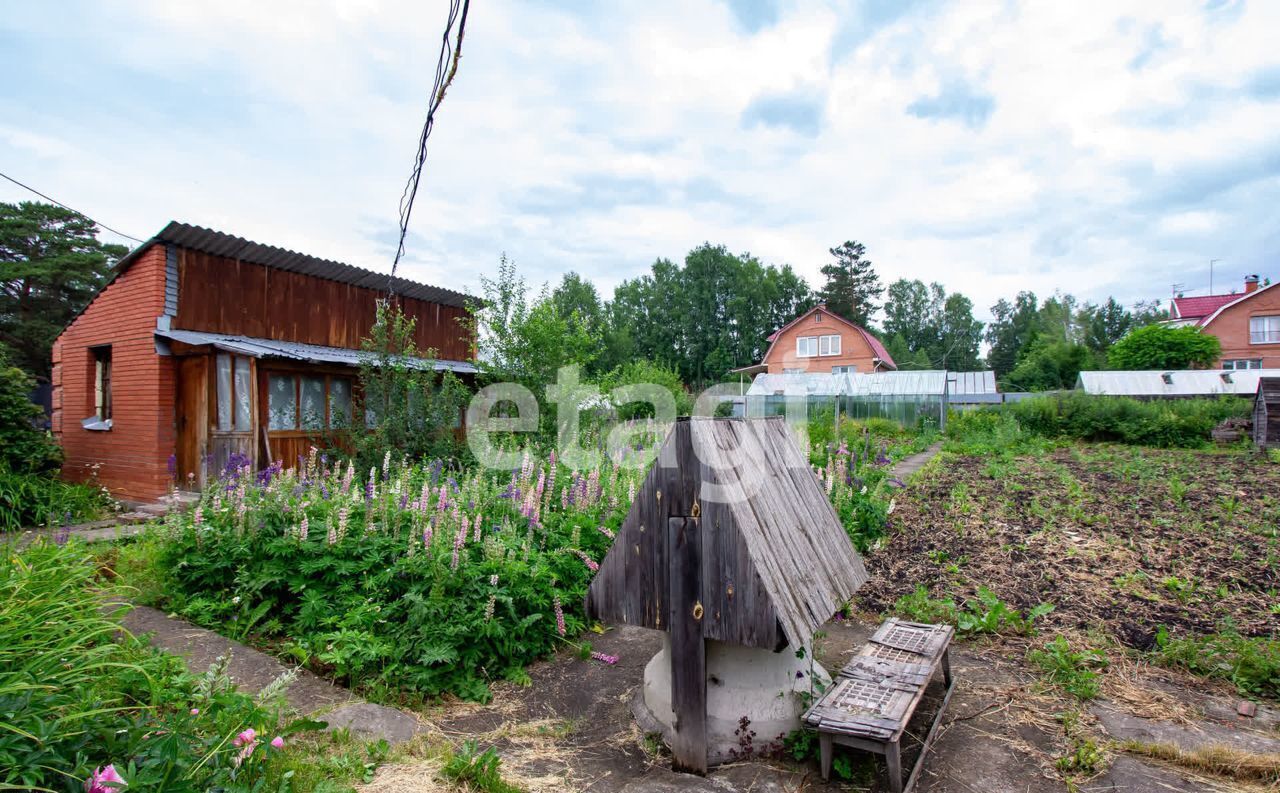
(909,465)
(252,671)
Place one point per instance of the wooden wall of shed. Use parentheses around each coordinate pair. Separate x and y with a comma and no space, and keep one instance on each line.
(221,295)
(1266,413)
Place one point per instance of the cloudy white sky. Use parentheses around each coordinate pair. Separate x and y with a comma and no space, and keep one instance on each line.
(1095,147)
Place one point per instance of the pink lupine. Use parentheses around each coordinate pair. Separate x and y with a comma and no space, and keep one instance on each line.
(198,518)
(104,780)
(195,711)
(247,737)
(606,531)
(555,602)
(277,742)
(587,560)
(332,538)
(303,528)
(488,607)
(475,536)
(343,516)
(593,486)
(603,658)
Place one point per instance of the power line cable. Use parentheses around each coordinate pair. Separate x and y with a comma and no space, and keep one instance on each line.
(446,69)
(70,209)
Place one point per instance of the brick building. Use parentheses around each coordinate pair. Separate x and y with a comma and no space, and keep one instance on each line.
(204,345)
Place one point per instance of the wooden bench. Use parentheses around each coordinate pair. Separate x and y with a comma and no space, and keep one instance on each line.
(873,698)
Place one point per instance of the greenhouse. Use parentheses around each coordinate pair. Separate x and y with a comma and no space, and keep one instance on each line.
(909,398)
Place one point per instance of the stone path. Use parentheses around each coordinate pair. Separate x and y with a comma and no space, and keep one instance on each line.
(127,524)
(907,467)
(252,671)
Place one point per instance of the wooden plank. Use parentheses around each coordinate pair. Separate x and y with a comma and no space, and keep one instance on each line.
(688,647)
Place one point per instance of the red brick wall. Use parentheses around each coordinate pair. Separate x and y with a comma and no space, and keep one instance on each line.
(1232,329)
(133,456)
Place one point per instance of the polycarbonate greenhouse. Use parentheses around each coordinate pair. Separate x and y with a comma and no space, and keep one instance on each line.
(909,398)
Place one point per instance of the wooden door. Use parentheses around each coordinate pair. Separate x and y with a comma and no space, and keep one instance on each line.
(232,425)
(192,421)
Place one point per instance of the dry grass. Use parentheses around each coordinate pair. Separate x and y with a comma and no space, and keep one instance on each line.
(1215,759)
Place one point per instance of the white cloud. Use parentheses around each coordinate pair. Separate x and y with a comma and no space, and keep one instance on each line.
(600,139)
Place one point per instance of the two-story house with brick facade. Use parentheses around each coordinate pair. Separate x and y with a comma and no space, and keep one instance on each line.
(820,341)
(1246,323)
(204,345)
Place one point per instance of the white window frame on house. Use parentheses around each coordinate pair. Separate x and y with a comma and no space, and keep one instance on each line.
(817,346)
(793,371)
(850,369)
(1264,329)
(1236,364)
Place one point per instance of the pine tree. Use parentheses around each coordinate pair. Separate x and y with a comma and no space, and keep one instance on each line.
(852,288)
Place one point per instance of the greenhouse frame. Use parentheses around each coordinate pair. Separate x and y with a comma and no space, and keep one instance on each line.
(909,398)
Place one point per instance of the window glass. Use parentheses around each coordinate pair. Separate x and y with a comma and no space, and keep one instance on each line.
(223,364)
(1264,330)
(102,383)
(824,345)
(282,402)
(807,346)
(835,345)
(339,402)
(312,402)
(244,396)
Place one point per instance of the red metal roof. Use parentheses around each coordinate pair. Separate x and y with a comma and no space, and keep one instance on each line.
(1201,306)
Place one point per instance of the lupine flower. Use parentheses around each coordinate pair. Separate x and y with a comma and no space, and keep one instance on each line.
(195,711)
(332,537)
(303,528)
(560,628)
(493,580)
(342,523)
(248,736)
(386,464)
(488,607)
(277,742)
(587,560)
(606,531)
(104,780)
(475,536)
(198,518)
(603,658)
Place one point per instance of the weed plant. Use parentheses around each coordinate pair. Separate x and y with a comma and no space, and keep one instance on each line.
(1252,664)
(984,614)
(30,499)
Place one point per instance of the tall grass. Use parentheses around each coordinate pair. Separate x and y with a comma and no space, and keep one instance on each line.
(78,694)
(1030,424)
(35,499)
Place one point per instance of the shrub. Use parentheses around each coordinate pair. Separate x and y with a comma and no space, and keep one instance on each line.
(31,499)
(76,698)
(1180,423)
(412,578)
(1251,664)
(644,371)
(1164,347)
(24,446)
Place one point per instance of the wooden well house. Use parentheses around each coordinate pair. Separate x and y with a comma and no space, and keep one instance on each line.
(1266,413)
(731,538)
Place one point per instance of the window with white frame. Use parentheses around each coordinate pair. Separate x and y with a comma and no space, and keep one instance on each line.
(850,369)
(813,346)
(1242,363)
(1264,330)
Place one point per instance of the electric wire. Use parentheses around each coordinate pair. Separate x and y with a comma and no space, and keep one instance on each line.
(70,209)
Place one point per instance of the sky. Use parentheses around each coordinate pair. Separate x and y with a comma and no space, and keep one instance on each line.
(1099,148)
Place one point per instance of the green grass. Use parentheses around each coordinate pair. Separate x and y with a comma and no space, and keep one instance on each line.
(985,613)
(476,770)
(1074,671)
(78,693)
(30,500)
(1252,664)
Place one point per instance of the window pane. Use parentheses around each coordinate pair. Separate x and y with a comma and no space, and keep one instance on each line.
(282,402)
(223,362)
(244,395)
(835,345)
(824,345)
(339,402)
(312,402)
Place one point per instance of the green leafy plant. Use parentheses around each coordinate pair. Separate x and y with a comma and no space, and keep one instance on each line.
(479,771)
(1252,664)
(1075,671)
(986,613)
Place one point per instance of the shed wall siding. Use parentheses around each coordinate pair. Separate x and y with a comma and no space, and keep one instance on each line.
(854,349)
(221,295)
(1232,329)
(131,458)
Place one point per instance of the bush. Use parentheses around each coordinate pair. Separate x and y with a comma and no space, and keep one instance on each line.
(1164,347)
(644,371)
(31,499)
(24,447)
(1177,423)
(76,698)
(412,578)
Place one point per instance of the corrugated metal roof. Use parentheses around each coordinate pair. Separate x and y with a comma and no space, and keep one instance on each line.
(1174,383)
(217,243)
(970,383)
(311,353)
(872,385)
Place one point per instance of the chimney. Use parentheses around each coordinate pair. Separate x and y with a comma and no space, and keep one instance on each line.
(1250,283)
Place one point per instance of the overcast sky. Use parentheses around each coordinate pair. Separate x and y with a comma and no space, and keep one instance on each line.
(1098,148)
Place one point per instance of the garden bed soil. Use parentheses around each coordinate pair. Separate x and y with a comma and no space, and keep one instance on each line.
(1118,540)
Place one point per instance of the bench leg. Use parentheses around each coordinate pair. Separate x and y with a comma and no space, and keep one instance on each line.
(946,667)
(893,759)
(824,743)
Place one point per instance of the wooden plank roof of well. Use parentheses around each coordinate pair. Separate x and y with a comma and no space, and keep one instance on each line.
(777,561)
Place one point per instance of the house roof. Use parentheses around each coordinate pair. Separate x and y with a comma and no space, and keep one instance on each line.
(877,348)
(968,383)
(1201,305)
(294,351)
(780,562)
(217,243)
(1174,383)
(1238,299)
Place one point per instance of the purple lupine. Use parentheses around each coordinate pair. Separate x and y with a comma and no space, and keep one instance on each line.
(560,627)
(606,531)
(303,528)
(604,658)
(587,560)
